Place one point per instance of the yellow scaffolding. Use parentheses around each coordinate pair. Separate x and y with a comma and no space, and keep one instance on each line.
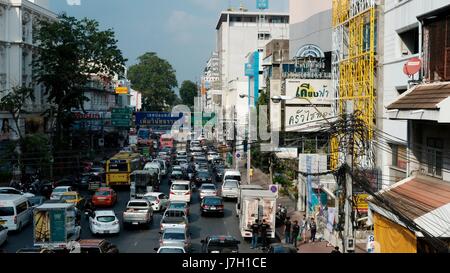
(354,23)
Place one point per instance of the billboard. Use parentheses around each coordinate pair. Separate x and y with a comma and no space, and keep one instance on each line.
(306,118)
(313,91)
(121,90)
(156,119)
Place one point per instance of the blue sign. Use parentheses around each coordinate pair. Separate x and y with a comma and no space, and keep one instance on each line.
(156,119)
(249,70)
(262,4)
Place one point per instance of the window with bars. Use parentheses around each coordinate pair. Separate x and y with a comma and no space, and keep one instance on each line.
(434,152)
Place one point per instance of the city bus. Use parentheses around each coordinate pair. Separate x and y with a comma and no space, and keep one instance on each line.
(119,168)
(166,141)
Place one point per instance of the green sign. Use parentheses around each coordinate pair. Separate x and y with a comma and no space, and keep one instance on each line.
(57,226)
(196,121)
(121,123)
(120,116)
(146,151)
(122,111)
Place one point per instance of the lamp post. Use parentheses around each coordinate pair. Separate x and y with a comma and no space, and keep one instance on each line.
(249,139)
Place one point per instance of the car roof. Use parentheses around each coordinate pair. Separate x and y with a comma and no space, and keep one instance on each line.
(62,187)
(153,194)
(181,182)
(11,197)
(8,188)
(174,230)
(209,185)
(104,213)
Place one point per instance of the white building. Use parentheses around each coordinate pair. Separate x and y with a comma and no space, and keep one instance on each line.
(402,40)
(238,34)
(18,18)
(135,100)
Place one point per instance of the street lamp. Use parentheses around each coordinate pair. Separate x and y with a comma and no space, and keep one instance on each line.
(248,137)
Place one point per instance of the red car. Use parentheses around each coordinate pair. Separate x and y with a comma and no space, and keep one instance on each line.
(104,197)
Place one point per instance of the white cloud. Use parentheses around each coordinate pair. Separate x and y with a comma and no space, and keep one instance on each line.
(73,2)
(181,24)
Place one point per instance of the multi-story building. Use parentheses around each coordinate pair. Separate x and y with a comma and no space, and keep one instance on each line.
(239,34)
(18,19)
(402,40)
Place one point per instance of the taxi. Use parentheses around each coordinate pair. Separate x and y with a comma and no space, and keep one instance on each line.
(72,197)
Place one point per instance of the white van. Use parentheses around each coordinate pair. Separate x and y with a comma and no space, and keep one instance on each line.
(180,191)
(232,175)
(15,211)
(154,167)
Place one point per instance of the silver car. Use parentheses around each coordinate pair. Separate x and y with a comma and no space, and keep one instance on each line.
(207,190)
(230,189)
(175,237)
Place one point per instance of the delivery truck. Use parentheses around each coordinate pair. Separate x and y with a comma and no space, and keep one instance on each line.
(256,203)
(143,182)
(55,225)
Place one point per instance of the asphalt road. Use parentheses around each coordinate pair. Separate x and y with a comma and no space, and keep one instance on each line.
(144,241)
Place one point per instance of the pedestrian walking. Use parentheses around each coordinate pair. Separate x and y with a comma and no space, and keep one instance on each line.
(313,228)
(255,233)
(263,228)
(304,228)
(295,233)
(287,230)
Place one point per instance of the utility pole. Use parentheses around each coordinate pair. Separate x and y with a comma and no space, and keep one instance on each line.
(349,236)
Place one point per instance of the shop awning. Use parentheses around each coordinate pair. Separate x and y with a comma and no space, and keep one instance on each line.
(422,199)
(423,102)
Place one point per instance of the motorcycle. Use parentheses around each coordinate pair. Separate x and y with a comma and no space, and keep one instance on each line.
(280,215)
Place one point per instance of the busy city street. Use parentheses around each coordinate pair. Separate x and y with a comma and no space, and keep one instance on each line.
(213,126)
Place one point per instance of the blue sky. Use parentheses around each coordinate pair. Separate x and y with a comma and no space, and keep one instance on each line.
(180,31)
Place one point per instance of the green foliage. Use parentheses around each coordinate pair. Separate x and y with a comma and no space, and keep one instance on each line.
(36,152)
(70,51)
(13,103)
(188,92)
(156,79)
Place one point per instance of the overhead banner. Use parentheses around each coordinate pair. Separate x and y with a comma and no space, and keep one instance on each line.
(309,91)
(307,118)
(156,119)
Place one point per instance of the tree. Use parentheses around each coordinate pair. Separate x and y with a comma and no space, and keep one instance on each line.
(14,103)
(70,52)
(188,92)
(156,79)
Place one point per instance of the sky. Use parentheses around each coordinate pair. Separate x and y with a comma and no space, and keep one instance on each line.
(180,31)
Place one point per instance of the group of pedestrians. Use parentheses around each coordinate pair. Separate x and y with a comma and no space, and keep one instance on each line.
(295,231)
(259,232)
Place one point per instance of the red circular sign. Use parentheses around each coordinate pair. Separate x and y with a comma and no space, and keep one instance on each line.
(412,66)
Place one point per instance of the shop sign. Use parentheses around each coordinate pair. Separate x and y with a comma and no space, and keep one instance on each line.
(309,91)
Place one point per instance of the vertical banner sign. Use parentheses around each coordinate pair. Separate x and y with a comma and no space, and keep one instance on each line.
(262,4)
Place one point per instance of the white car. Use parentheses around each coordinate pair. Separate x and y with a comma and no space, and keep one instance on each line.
(104,222)
(171,250)
(158,200)
(212,156)
(207,190)
(59,191)
(3,234)
(11,190)
(180,191)
(230,189)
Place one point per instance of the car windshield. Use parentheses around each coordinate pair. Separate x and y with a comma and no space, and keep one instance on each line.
(9,191)
(68,197)
(177,206)
(212,201)
(234,177)
(102,193)
(203,174)
(150,198)
(171,250)
(208,187)
(177,173)
(223,243)
(6,211)
(174,236)
(180,187)
(137,204)
(106,219)
(230,184)
(60,190)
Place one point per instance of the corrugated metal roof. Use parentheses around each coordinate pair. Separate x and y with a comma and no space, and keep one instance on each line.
(425,96)
(422,199)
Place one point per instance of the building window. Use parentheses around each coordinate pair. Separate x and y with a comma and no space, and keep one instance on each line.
(264,36)
(409,42)
(437,49)
(435,147)
(399,156)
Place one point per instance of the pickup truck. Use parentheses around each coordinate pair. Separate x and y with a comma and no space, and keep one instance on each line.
(138,212)
(174,218)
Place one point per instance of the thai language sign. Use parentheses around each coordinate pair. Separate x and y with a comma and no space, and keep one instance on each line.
(309,91)
(150,119)
(306,118)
